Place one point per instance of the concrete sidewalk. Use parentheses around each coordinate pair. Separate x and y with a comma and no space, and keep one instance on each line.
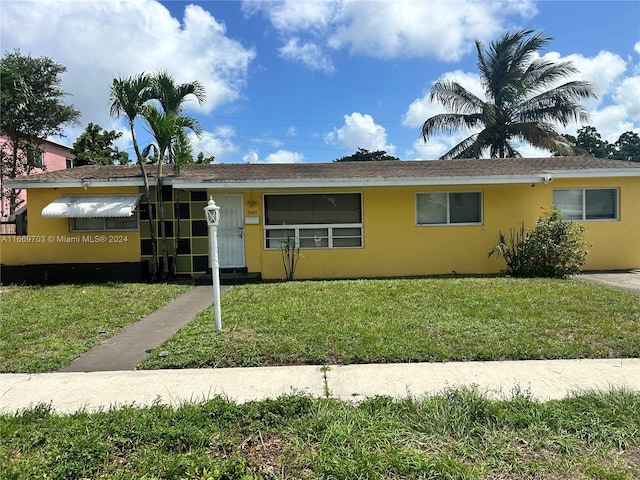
(545,379)
(125,350)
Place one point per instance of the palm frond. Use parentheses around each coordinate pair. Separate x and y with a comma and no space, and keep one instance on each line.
(172,95)
(449,122)
(455,98)
(467,148)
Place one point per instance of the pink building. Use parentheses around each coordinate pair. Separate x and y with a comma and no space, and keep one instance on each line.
(53,156)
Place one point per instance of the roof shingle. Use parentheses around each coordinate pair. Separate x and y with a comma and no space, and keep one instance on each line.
(242,173)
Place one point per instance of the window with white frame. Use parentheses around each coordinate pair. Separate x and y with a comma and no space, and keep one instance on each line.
(318,220)
(587,203)
(449,208)
(105,224)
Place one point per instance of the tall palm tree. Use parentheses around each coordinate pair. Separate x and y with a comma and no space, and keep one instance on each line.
(523,102)
(128,97)
(167,128)
(172,96)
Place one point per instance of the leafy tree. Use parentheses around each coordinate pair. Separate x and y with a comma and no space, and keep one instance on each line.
(95,146)
(590,142)
(523,100)
(202,160)
(32,110)
(364,155)
(627,147)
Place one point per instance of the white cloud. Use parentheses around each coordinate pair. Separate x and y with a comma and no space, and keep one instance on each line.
(102,39)
(386,29)
(281,156)
(310,54)
(218,143)
(628,95)
(251,157)
(294,15)
(284,156)
(360,131)
(268,140)
(636,48)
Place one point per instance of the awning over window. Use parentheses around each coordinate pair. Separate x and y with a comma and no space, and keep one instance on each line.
(92,206)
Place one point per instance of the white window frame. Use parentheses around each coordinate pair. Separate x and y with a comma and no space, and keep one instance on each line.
(448,222)
(73,228)
(583,191)
(274,243)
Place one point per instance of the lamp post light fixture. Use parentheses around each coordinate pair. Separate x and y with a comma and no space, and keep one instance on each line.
(212,214)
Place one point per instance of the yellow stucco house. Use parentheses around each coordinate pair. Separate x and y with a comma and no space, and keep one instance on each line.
(350,219)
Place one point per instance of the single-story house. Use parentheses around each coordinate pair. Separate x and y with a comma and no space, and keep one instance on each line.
(350,219)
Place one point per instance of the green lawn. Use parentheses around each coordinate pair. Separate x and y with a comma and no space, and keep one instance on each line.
(408,320)
(44,328)
(457,435)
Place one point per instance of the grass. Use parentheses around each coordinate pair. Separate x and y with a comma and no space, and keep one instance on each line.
(44,328)
(458,434)
(408,320)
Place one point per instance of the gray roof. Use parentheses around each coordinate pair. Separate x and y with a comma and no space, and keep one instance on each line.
(387,173)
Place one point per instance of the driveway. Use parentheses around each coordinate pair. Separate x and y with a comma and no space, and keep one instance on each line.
(624,279)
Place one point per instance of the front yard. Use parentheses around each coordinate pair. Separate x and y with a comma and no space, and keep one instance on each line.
(457,434)
(408,320)
(44,328)
(331,322)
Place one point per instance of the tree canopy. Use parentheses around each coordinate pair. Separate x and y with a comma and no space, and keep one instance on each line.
(32,110)
(590,142)
(523,100)
(95,146)
(364,155)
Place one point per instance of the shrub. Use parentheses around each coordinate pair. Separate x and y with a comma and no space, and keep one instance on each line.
(290,256)
(553,248)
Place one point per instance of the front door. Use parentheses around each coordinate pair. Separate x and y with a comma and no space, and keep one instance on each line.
(230,231)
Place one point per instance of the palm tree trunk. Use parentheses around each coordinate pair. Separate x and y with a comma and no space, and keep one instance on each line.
(147,194)
(163,231)
(177,235)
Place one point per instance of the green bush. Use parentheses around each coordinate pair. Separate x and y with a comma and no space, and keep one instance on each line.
(554,248)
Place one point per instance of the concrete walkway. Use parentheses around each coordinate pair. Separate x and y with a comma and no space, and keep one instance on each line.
(624,280)
(127,349)
(544,379)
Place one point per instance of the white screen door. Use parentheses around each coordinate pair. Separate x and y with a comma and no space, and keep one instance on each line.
(230,231)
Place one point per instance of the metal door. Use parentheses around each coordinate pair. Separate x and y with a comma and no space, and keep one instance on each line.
(230,231)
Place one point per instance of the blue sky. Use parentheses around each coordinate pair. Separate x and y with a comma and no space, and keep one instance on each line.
(311,81)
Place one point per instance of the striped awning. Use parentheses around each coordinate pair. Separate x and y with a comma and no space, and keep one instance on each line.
(92,206)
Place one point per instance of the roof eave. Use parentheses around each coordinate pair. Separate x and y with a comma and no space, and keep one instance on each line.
(88,182)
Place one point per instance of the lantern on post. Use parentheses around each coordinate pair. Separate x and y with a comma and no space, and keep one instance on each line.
(212,214)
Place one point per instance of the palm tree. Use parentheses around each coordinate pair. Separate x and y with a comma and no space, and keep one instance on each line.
(166,128)
(128,97)
(523,102)
(172,96)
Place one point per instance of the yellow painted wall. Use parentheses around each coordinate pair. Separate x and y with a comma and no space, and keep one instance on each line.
(395,246)
(50,240)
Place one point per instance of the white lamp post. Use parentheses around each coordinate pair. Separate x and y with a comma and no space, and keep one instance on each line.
(212,213)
